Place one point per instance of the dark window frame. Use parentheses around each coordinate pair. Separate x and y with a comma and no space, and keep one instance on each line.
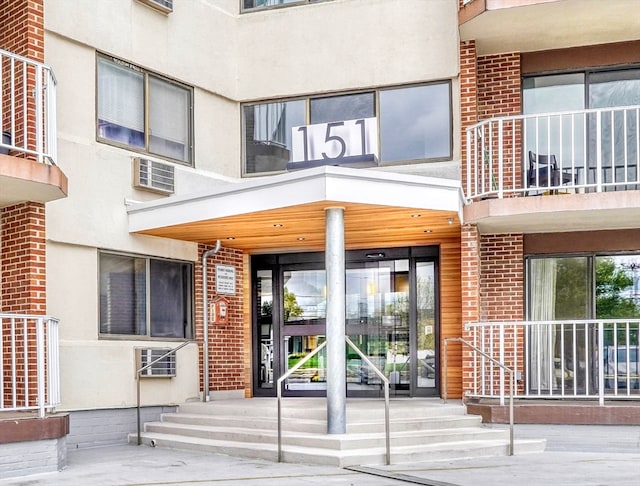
(377,114)
(146,134)
(187,300)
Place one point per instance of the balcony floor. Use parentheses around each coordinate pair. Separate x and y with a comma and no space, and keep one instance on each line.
(556,213)
(27,180)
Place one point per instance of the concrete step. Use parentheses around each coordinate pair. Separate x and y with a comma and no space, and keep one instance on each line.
(343,458)
(328,441)
(320,425)
(421,430)
(313,408)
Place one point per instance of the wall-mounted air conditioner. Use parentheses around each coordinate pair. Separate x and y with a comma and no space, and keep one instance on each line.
(165,368)
(164,6)
(153,176)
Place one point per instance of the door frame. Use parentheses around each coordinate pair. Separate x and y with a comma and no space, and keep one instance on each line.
(276,263)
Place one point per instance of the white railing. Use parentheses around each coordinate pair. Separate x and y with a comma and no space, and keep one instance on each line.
(559,359)
(594,150)
(29,363)
(27,109)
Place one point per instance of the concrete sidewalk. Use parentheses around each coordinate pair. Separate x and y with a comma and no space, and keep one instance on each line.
(575,455)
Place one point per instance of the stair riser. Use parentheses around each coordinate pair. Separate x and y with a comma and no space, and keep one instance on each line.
(373,458)
(327,441)
(318,412)
(320,426)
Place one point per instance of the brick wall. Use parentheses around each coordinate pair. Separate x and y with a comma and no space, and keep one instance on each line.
(499,95)
(22,291)
(21,33)
(226,342)
(468,97)
(23,258)
(492,265)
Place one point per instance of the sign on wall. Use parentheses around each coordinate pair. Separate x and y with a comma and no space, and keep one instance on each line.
(225,279)
(334,142)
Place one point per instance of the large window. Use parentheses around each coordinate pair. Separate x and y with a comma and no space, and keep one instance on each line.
(414,125)
(259,4)
(575,138)
(142,296)
(573,289)
(143,111)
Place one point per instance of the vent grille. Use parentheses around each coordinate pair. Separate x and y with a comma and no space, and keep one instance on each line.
(164,6)
(153,176)
(165,368)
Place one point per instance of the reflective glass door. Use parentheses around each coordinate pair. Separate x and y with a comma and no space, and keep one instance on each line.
(391,316)
(377,312)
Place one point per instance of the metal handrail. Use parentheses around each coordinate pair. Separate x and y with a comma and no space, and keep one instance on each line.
(145,367)
(497,363)
(366,360)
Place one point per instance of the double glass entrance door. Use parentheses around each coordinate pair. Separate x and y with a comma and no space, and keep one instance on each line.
(391,316)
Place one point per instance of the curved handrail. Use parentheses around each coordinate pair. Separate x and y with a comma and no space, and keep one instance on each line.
(315,351)
(512,381)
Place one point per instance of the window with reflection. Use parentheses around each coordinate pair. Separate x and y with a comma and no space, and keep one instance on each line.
(572,289)
(574,138)
(248,5)
(305,296)
(143,111)
(413,123)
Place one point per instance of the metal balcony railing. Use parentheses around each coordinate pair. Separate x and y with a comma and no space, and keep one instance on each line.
(594,150)
(27,109)
(29,363)
(579,359)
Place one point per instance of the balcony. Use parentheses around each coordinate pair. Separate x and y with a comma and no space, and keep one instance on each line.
(500,26)
(582,359)
(28,170)
(29,368)
(520,166)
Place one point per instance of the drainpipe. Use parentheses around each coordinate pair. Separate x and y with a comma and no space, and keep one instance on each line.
(205,320)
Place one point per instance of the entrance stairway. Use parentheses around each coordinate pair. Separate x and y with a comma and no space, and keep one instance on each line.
(421,430)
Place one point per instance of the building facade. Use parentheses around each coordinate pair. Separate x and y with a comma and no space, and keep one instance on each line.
(188,182)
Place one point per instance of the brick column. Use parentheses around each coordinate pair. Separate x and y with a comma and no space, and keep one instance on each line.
(470,279)
(22,291)
(226,341)
(21,33)
(468,99)
(23,259)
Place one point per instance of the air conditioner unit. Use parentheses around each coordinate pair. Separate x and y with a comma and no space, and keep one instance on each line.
(165,368)
(164,6)
(153,176)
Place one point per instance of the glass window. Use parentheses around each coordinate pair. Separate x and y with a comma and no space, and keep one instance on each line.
(161,127)
(305,296)
(145,297)
(267,134)
(415,124)
(339,108)
(257,4)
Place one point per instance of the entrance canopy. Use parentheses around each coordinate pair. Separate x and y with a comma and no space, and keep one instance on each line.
(287,211)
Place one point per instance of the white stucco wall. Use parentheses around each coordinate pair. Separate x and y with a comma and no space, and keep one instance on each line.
(346,45)
(228,58)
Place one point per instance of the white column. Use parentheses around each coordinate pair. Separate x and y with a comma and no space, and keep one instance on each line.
(336,367)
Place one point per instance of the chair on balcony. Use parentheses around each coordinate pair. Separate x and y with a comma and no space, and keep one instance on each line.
(544,173)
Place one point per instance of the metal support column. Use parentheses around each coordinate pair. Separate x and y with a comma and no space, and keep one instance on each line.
(336,367)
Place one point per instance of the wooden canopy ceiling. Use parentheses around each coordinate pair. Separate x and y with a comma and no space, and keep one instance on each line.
(302,228)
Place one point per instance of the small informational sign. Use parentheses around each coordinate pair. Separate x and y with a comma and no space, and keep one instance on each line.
(335,140)
(225,279)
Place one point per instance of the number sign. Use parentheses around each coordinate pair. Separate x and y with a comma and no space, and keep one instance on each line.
(334,140)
